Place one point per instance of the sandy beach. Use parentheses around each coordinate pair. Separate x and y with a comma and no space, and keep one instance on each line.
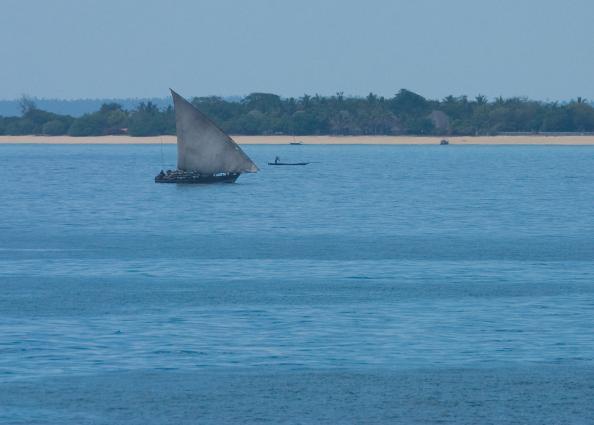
(315,140)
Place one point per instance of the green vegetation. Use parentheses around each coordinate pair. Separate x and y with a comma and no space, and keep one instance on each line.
(264,113)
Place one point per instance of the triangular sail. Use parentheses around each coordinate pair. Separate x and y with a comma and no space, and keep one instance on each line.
(202,146)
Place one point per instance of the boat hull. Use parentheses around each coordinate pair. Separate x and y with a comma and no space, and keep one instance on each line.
(180,178)
(288,163)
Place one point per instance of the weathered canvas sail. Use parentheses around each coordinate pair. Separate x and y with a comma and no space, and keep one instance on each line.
(202,146)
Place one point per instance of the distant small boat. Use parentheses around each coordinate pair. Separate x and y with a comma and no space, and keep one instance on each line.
(277,161)
(295,143)
(444,142)
(289,163)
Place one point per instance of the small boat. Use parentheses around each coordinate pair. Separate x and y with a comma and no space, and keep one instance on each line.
(444,142)
(295,143)
(205,154)
(277,161)
(289,163)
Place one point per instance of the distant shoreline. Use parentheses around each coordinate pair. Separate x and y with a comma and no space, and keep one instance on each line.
(313,140)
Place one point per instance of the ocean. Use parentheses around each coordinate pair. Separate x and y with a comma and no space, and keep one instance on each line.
(376,285)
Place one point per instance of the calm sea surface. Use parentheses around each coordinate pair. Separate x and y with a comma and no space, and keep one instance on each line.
(380,284)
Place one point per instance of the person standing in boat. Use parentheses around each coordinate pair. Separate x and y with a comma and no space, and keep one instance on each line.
(276,160)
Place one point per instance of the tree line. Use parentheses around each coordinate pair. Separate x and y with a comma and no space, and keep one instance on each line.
(265,114)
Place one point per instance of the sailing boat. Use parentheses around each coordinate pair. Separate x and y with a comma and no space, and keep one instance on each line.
(205,154)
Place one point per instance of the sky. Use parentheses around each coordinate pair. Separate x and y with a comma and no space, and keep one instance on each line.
(71,49)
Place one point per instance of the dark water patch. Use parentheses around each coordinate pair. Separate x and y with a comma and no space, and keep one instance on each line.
(478,247)
(546,394)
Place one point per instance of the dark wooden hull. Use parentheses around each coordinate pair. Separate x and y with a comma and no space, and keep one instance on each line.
(196,179)
(288,163)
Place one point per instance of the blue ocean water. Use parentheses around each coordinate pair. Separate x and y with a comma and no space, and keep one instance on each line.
(379,284)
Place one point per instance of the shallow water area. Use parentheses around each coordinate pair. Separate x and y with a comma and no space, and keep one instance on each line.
(378,284)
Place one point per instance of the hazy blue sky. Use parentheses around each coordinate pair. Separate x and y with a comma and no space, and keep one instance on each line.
(542,49)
